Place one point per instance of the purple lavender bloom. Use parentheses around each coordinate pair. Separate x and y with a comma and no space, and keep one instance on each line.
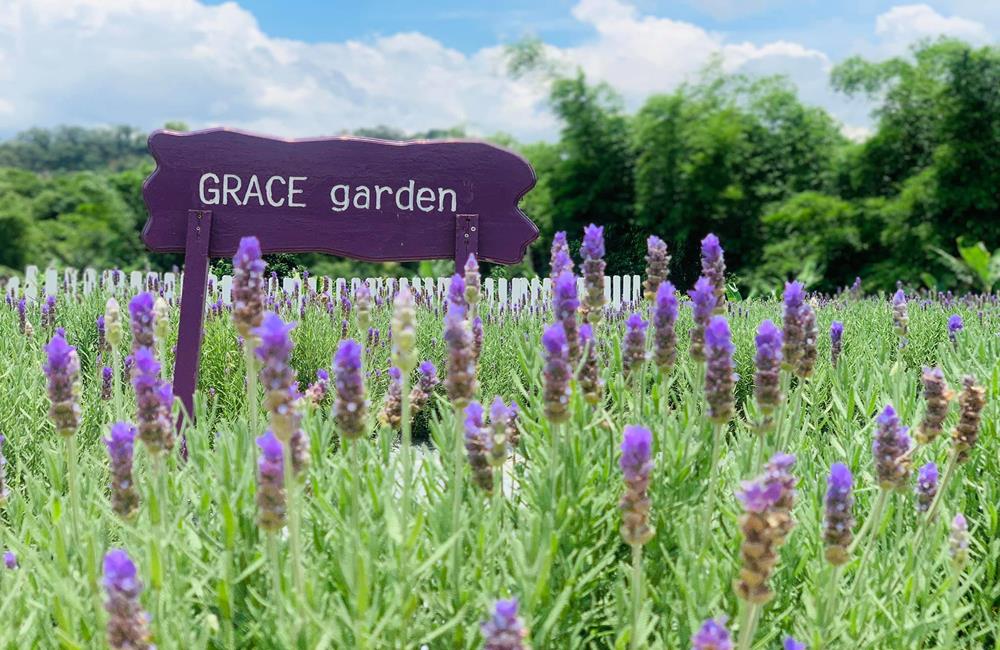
(664,320)
(838,522)
(836,336)
(955,325)
(564,298)
(790,643)
(351,406)
(900,317)
(713,267)
(634,344)
(473,281)
(560,259)
(22,317)
(477,445)
(712,635)
(720,377)
(703,305)
(271,505)
(657,266)
(128,624)
(504,630)
(102,337)
(557,373)
(591,383)
(456,291)
(593,242)
(274,351)
(10,560)
(421,392)
(767,380)
(62,368)
(120,444)
(636,464)
(248,286)
(958,540)
(152,409)
(891,448)
(107,377)
(759,495)
(927,486)
(142,320)
(793,326)
(460,378)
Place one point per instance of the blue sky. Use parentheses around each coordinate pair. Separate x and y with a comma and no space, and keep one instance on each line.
(312,68)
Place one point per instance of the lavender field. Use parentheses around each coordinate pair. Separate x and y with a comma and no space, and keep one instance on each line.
(398,469)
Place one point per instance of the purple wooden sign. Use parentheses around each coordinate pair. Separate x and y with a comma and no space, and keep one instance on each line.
(353,197)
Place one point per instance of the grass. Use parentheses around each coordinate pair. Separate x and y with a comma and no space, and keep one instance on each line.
(552,540)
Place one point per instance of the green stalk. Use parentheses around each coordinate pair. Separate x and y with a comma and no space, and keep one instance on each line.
(253,405)
(456,499)
(73,488)
(713,477)
(116,384)
(636,595)
(952,606)
(748,630)
(157,514)
(876,517)
(274,560)
(833,590)
(291,496)
(406,453)
(361,599)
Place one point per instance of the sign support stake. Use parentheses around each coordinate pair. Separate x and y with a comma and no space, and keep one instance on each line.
(199,232)
(466,239)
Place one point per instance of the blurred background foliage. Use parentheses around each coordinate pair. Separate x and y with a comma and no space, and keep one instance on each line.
(742,157)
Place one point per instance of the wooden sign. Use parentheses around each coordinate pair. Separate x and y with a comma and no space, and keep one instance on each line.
(353,197)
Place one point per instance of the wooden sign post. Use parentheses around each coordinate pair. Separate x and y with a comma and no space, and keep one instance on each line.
(352,197)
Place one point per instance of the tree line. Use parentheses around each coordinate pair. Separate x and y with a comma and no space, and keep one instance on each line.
(744,158)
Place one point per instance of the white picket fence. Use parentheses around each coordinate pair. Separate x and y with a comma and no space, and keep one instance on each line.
(618,289)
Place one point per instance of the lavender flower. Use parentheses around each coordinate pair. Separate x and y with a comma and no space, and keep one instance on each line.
(790,643)
(22,317)
(391,412)
(62,369)
(298,446)
(900,318)
(970,405)
(153,400)
(102,337)
(460,380)
(807,360)
(113,323)
(556,373)
(891,449)
(141,318)
(712,635)
(500,417)
(424,388)
(591,383)
(720,378)
(564,306)
(713,267)
(504,630)
(456,293)
(792,327)
(958,541)
(404,332)
(560,259)
(927,486)
(760,523)
(473,291)
(120,444)
(107,377)
(664,320)
(634,344)
(937,396)
(318,390)
(350,407)
(836,345)
(592,251)
(657,264)
(248,286)
(271,504)
(767,384)
(128,624)
(702,305)
(10,560)
(636,464)
(955,325)
(477,446)
(477,337)
(274,351)
(363,302)
(778,471)
(838,522)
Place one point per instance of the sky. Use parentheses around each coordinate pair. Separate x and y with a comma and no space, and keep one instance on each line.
(315,67)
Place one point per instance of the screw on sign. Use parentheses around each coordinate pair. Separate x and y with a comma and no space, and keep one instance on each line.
(352,197)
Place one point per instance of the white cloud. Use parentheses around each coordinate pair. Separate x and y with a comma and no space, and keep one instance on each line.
(144,62)
(904,24)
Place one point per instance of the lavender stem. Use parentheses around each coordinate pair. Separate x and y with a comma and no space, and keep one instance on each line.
(293,518)
(636,595)
(751,617)
(72,488)
(253,406)
(456,498)
(713,479)
(876,519)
